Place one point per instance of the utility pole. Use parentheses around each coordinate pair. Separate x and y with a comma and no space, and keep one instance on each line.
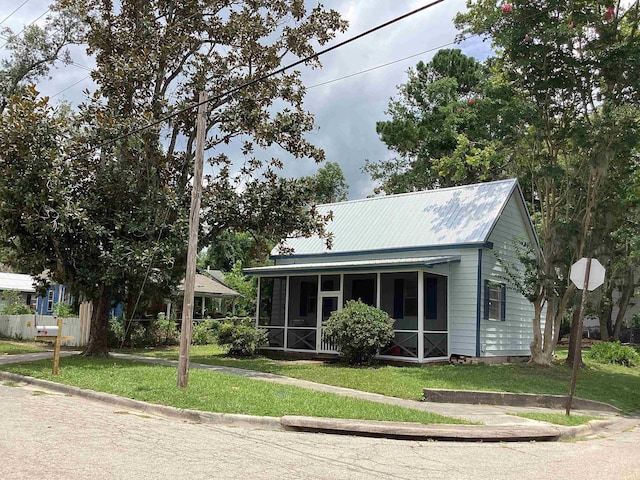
(192,250)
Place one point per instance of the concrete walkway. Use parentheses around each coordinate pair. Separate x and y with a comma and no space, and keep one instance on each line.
(496,423)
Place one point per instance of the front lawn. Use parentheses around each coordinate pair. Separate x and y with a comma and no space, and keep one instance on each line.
(214,392)
(11,348)
(612,384)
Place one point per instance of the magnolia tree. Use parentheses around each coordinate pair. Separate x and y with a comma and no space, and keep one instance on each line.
(105,210)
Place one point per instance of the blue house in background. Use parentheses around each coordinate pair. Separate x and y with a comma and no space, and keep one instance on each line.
(55,294)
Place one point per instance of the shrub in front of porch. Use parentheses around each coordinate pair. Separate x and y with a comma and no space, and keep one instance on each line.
(242,338)
(359,331)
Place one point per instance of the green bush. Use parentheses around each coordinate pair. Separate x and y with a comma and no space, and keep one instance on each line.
(64,310)
(155,333)
(242,338)
(14,305)
(205,332)
(358,331)
(164,331)
(614,352)
(18,309)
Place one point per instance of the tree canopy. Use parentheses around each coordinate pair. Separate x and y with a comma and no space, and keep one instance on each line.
(106,209)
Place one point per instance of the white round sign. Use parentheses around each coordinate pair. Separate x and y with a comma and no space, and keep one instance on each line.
(579,270)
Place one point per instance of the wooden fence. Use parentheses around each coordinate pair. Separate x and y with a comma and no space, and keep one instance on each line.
(23,327)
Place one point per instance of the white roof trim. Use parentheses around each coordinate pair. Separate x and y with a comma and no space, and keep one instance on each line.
(355,265)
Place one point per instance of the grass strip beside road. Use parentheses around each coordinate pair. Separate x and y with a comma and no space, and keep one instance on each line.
(558,418)
(214,392)
(616,385)
(9,348)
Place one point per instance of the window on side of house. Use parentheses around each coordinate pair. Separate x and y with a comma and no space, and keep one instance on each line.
(50,300)
(494,301)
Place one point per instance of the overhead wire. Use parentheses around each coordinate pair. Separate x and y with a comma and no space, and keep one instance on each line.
(12,13)
(27,26)
(261,78)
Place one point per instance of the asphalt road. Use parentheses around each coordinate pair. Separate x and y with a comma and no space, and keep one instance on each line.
(51,436)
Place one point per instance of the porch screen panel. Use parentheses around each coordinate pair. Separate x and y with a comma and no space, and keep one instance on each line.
(361,287)
(271,311)
(303,301)
(435,316)
(399,298)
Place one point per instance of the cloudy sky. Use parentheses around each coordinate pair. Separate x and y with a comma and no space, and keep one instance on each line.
(346,110)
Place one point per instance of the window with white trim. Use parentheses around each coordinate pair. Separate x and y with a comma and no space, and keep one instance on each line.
(495,301)
(50,300)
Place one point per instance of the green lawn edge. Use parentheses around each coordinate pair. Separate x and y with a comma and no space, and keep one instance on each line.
(214,391)
(558,418)
(615,385)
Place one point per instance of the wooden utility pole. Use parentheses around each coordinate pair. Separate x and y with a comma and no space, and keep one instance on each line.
(192,250)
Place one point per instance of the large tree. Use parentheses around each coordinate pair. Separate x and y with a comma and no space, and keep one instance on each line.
(448,124)
(576,65)
(113,223)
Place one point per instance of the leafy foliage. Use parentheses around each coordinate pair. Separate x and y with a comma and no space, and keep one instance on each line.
(13,304)
(448,125)
(105,210)
(246,286)
(615,353)
(205,332)
(64,310)
(241,337)
(155,333)
(359,331)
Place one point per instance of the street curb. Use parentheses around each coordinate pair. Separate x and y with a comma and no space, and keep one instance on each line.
(368,428)
(418,431)
(591,428)
(187,415)
(476,397)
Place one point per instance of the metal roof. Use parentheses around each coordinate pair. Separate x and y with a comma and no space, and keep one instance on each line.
(16,281)
(354,265)
(431,218)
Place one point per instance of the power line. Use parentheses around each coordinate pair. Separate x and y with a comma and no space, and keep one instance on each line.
(393,62)
(11,14)
(70,86)
(264,77)
(20,32)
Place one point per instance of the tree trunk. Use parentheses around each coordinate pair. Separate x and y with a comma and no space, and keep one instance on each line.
(623,303)
(575,336)
(98,331)
(541,348)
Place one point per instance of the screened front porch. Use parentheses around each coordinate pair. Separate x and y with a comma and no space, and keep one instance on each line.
(294,308)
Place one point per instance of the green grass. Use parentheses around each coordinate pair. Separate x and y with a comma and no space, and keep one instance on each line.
(9,348)
(612,384)
(558,418)
(215,392)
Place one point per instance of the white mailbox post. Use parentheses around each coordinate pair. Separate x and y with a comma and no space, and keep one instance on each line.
(46,331)
(52,334)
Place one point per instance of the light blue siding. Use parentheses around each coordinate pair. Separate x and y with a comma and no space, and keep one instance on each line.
(512,336)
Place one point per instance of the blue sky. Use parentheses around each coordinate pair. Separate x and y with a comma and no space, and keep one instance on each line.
(347,110)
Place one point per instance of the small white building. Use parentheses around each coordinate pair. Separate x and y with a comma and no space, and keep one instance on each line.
(429,259)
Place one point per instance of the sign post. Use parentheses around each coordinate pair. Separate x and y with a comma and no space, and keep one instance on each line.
(52,333)
(587,274)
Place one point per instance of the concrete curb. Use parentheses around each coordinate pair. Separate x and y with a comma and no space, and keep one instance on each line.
(187,415)
(475,397)
(418,431)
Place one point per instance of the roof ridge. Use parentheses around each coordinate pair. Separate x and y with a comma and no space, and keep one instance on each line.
(419,192)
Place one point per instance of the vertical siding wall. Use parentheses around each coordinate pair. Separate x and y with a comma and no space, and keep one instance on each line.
(463,281)
(512,336)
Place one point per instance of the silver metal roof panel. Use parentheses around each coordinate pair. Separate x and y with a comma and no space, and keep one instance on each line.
(431,218)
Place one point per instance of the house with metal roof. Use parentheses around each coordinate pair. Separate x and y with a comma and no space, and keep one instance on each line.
(430,259)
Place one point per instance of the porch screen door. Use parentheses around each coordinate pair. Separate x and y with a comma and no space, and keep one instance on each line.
(329,303)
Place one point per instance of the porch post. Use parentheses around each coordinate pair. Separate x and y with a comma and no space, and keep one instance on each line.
(420,316)
(286,312)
